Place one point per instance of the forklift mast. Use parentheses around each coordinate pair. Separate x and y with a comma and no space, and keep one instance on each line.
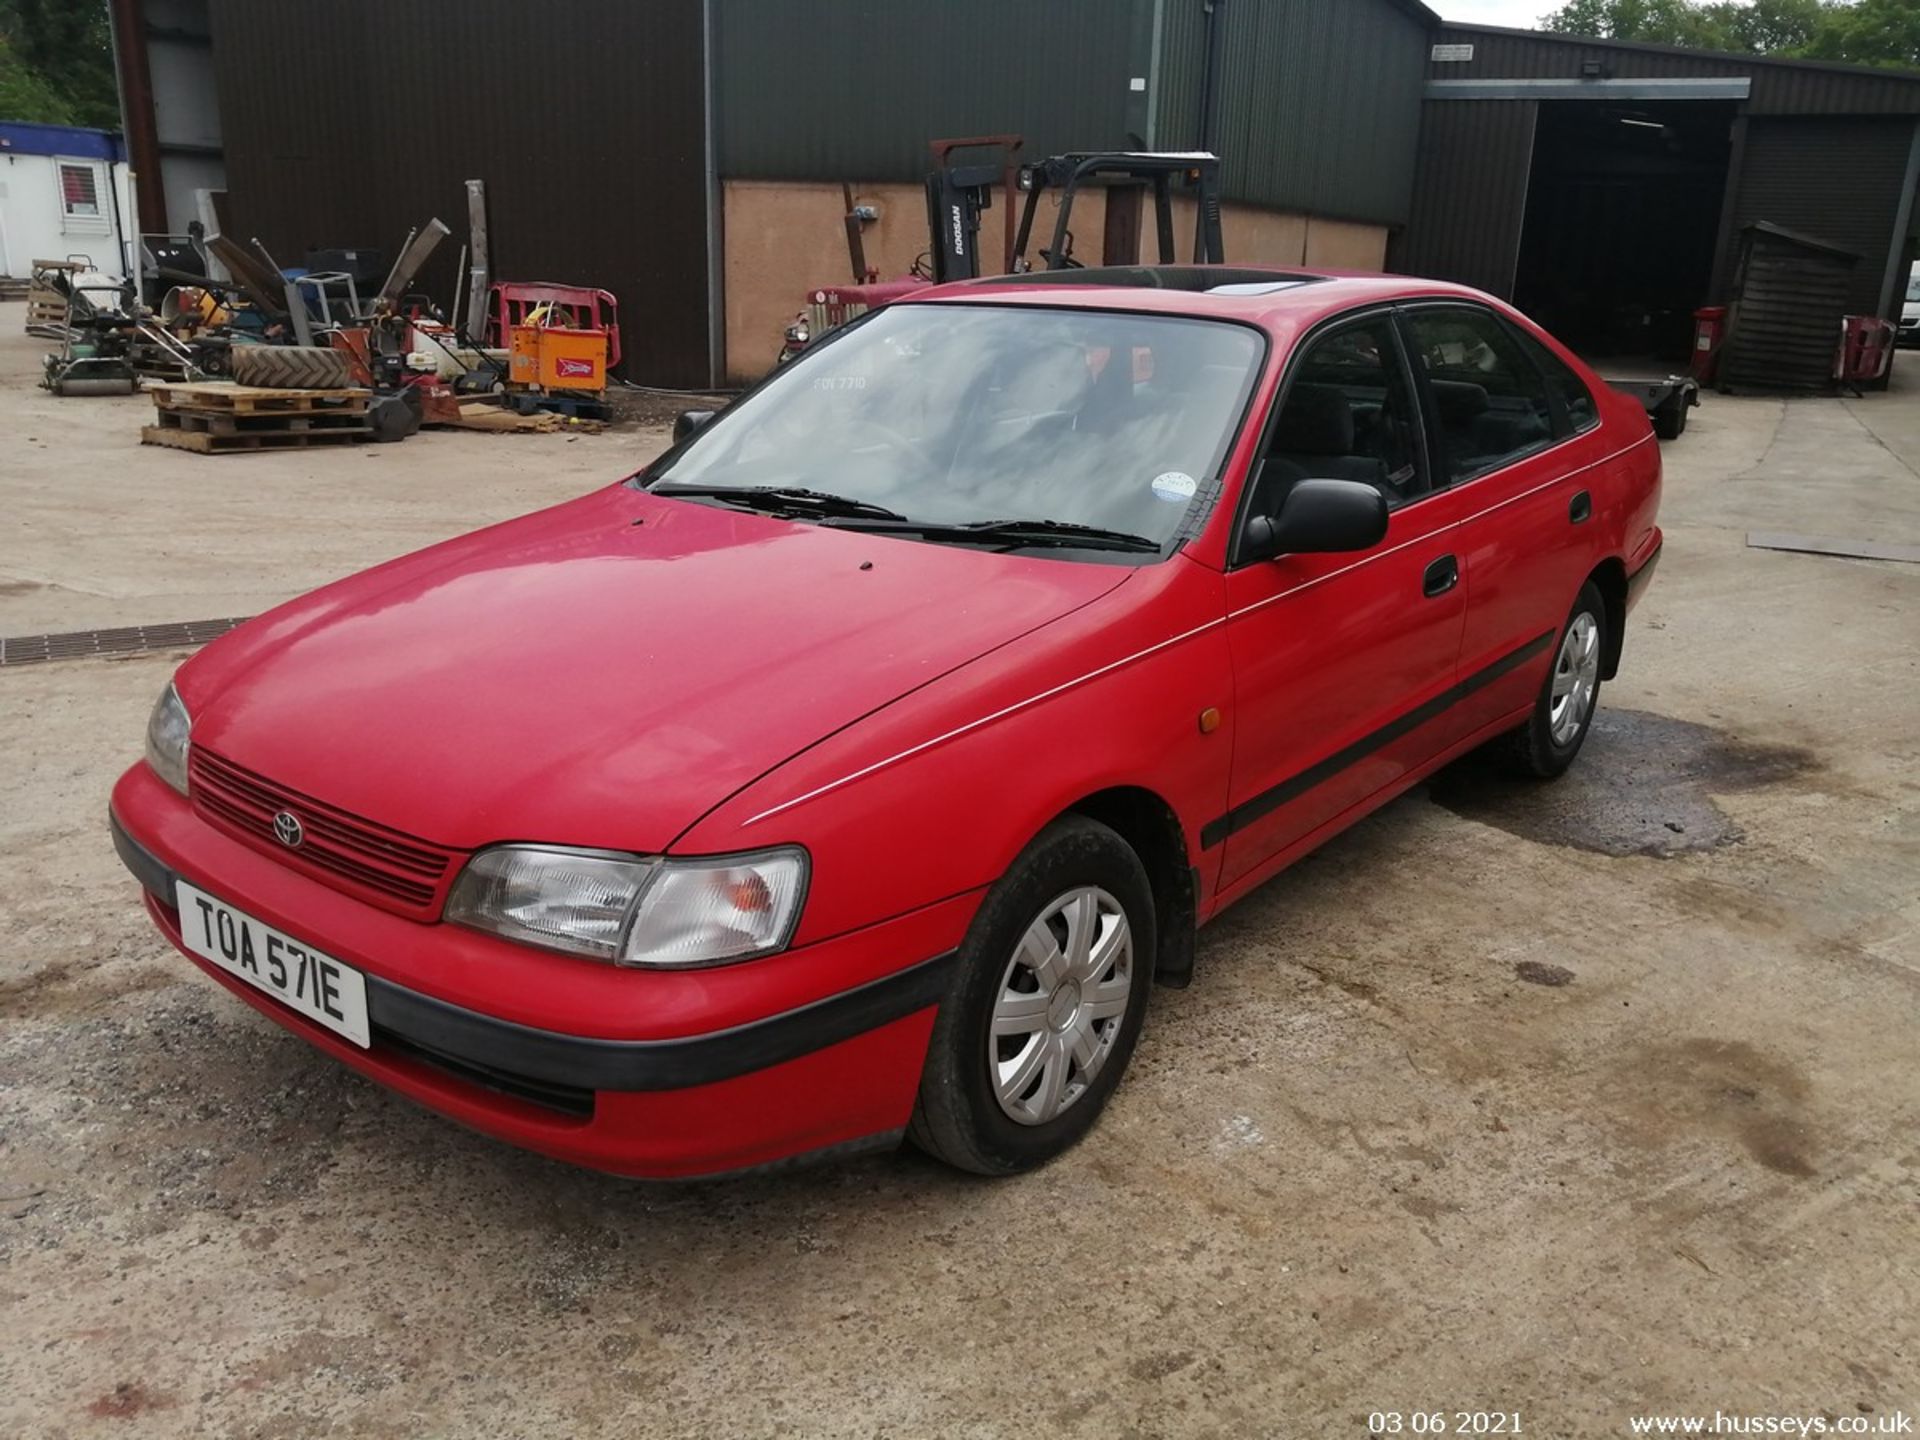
(956,197)
(1126,175)
(959,194)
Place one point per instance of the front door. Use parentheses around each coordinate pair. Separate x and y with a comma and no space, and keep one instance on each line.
(1343,663)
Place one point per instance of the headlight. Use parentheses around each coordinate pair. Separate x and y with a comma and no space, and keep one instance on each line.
(634,911)
(167,730)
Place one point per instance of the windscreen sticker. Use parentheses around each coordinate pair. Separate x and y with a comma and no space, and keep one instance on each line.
(1175,486)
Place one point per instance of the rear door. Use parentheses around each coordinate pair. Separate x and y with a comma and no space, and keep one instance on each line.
(1342,663)
(1513,435)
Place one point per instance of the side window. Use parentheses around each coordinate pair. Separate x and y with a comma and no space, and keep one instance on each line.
(83,197)
(1348,415)
(1490,402)
(1571,390)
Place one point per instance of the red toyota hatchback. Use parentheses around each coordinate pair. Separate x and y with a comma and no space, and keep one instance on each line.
(855,769)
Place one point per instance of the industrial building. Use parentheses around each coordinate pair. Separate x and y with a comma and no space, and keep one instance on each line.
(1605,187)
(688,155)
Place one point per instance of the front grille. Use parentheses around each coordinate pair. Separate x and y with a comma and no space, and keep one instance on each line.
(392,870)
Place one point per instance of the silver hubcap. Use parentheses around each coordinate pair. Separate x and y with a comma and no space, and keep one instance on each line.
(1063,997)
(1576,675)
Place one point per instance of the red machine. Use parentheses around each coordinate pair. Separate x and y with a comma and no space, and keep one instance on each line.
(1709,334)
(834,305)
(1866,349)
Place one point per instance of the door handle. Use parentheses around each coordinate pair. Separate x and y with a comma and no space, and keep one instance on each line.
(1580,508)
(1440,577)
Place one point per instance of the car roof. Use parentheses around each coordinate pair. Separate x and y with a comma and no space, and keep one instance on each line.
(1270,296)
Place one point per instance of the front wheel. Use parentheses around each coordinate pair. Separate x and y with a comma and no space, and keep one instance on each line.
(1547,744)
(1046,1006)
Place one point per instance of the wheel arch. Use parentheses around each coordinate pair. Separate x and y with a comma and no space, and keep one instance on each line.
(1152,827)
(1609,577)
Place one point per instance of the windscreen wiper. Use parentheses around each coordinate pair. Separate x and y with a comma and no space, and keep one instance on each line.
(785,499)
(1058,534)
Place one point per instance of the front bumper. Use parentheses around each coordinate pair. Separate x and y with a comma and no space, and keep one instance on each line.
(590,1082)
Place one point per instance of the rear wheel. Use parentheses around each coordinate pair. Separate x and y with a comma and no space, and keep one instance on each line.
(1046,1007)
(1670,420)
(1547,744)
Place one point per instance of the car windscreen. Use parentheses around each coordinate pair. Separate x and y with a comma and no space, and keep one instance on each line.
(955,415)
(1913,285)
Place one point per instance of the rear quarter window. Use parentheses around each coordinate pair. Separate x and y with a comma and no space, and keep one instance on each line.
(1582,413)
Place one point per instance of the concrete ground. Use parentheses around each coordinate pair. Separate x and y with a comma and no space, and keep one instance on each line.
(1580,1103)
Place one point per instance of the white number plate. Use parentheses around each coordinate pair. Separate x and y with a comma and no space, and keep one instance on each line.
(318,986)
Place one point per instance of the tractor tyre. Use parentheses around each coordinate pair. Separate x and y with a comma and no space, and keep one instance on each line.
(291,367)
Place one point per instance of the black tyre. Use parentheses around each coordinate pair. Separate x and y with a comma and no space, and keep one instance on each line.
(1547,744)
(291,367)
(1045,1006)
(1670,420)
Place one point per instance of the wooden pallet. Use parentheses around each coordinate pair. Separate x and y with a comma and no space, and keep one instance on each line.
(224,397)
(226,422)
(206,442)
(45,307)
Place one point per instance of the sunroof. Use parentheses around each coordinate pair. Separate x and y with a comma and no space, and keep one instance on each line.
(1265,287)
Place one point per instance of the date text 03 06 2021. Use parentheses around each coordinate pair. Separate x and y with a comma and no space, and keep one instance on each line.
(1444,1422)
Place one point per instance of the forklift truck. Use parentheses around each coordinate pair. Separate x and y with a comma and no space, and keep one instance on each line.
(960,192)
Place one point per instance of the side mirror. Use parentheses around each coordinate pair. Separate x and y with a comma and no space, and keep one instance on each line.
(1319,517)
(691,422)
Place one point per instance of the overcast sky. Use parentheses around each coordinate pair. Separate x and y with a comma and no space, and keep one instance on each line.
(1524,13)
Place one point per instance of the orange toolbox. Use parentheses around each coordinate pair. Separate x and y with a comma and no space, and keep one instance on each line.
(557,337)
(558,359)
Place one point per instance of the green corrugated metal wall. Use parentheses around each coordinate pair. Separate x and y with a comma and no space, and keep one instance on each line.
(1320,100)
(854,89)
(1320,109)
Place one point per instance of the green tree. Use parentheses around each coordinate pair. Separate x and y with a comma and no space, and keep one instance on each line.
(1662,22)
(1872,32)
(25,93)
(1863,32)
(1768,27)
(62,49)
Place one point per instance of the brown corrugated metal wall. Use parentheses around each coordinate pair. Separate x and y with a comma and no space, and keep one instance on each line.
(1469,194)
(1828,150)
(347,123)
(1837,179)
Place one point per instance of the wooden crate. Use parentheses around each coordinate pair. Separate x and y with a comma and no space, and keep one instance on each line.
(226,398)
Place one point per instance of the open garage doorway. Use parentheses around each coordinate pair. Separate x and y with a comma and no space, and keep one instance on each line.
(1622,223)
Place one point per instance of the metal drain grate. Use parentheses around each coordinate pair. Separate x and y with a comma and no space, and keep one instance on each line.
(79,644)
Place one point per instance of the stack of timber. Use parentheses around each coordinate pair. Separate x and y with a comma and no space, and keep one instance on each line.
(484,415)
(220,417)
